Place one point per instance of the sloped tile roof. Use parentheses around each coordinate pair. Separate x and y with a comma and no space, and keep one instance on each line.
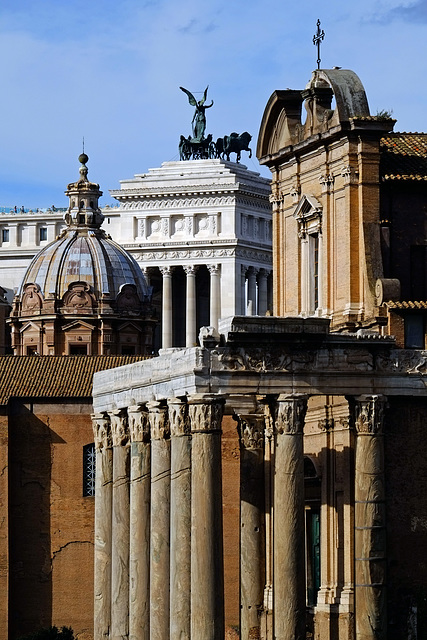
(53,376)
(407,304)
(404,156)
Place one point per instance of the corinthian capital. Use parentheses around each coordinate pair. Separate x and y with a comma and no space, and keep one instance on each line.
(290,414)
(179,419)
(251,430)
(159,423)
(369,414)
(119,427)
(101,430)
(205,412)
(139,425)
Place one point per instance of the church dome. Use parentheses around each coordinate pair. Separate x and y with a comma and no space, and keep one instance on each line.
(83,274)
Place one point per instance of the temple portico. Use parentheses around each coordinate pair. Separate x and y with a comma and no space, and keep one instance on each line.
(271,392)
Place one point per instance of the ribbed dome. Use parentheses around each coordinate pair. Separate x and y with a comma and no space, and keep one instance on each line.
(84,255)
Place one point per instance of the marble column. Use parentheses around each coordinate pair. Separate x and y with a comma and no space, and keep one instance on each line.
(370,531)
(215,301)
(139,550)
(180,544)
(252,570)
(289,530)
(252,297)
(160,521)
(103,509)
(190,320)
(166,307)
(207,571)
(120,527)
(243,307)
(262,292)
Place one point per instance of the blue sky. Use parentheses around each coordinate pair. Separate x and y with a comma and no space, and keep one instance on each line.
(110,71)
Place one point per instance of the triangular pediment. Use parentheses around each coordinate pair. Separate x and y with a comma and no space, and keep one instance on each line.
(129,325)
(78,324)
(308,206)
(29,325)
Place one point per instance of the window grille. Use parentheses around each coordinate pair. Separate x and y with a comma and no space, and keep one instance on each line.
(89,469)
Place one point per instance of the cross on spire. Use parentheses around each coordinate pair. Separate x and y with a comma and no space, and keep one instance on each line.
(317,39)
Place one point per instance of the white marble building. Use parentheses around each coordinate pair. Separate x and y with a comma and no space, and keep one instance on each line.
(200,229)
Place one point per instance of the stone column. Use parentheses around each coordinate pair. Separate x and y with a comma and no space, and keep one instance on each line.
(166,307)
(160,521)
(207,571)
(289,530)
(215,302)
(244,310)
(252,306)
(139,552)
(180,544)
(262,292)
(370,532)
(103,509)
(120,527)
(252,570)
(190,320)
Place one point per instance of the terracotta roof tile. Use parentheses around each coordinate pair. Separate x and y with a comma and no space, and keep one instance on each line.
(407,304)
(53,376)
(404,156)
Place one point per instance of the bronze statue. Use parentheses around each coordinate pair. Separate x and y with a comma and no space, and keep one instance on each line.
(199,118)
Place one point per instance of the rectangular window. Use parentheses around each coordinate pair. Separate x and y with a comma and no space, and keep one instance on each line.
(89,470)
(43,234)
(128,350)
(78,350)
(414,331)
(5,235)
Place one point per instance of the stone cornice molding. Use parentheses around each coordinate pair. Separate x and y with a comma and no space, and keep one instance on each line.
(179,419)
(139,425)
(159,422)
(101,430)
(206,413)
(368,414)
(290,414)
(252,255)
(119,427)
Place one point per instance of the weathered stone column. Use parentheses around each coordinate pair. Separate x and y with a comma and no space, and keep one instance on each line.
(262,292)
(207,571)
(252,570)
(139,553)
(166,307)
(215,301)
(370,532)
(180,544)
(289,533)
(160,521)
(103,505)
(190,320)
(120,527)
(252,297)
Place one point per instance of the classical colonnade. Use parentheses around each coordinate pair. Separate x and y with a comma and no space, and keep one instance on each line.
(158,518)
(254,298)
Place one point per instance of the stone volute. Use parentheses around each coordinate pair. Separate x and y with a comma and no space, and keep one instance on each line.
(83,293)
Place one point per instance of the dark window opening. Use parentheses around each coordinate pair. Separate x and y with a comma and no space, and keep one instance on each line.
(89,470)
(32,350)
(5,235)
(82,218)
(78,350)
(128,350)
(414,331)
(43,234)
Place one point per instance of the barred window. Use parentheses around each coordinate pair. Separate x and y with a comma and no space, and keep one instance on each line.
(89,469)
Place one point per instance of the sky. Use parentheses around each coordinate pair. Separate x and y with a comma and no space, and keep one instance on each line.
(109,71)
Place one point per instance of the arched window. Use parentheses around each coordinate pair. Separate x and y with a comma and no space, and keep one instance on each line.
(89,469)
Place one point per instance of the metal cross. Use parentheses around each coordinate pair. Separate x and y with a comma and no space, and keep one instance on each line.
(317,39)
